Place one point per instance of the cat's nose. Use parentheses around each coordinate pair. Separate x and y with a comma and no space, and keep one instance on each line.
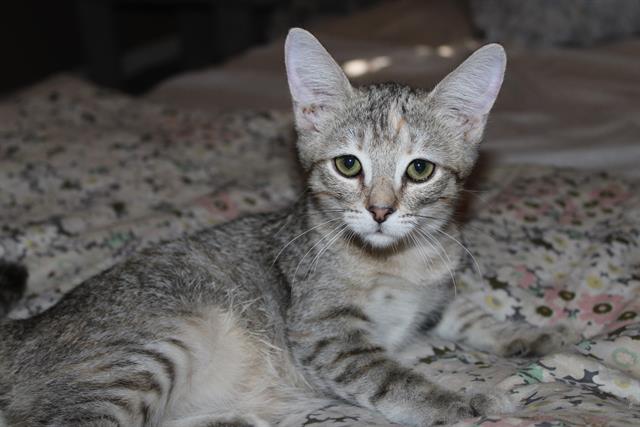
(380,213)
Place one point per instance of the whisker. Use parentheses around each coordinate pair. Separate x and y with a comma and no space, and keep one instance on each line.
(316,260)
(433,242)
(482,195)
(428,217)
(300,235)
(331,210)
(464,226)
(431,246)
(295,273)
(420,250)
(296,201)
(475,261)
(352,234)
(468,190)
(334,233)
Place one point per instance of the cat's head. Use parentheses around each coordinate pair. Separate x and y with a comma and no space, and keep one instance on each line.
(387,161)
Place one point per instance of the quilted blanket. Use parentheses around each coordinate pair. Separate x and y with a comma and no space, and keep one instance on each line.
(87,177)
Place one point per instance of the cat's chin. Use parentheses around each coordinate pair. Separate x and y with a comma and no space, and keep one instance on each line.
(380,240)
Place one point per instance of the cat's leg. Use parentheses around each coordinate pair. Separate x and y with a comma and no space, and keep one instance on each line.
(202,363)
(465,321)
(337,354)
(109,387)
(218,421)
(82,420)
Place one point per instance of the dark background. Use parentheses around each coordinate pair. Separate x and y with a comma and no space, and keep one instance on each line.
(133,44)
(37,38)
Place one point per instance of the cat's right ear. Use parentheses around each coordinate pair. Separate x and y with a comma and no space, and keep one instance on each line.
(465,97)
(317,83)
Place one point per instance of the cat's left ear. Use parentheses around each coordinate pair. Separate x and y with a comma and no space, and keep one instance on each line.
(317,83)
(465,97)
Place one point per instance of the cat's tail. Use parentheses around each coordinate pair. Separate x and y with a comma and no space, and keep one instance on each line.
(13,283)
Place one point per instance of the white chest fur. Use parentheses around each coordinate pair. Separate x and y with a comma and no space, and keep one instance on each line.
(399,293)
(396,308)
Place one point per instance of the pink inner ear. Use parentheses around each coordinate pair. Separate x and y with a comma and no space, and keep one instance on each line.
(306,111)
(472,88)
(308,116)
(472,126)
(316,81)
(489,97)
(299,91)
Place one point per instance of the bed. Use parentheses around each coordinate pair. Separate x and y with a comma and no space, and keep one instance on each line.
(89,176)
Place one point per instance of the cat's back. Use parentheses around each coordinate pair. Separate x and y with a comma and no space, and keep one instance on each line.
(225,266)
(206,304)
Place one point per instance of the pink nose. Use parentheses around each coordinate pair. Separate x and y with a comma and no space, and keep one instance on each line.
(380,213)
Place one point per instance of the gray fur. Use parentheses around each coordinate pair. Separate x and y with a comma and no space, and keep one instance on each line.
(239,322)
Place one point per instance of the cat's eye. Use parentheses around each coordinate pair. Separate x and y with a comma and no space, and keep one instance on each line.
(348,166)
(420,170)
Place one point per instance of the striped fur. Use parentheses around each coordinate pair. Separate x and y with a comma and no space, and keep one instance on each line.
(241,323)
(466,321)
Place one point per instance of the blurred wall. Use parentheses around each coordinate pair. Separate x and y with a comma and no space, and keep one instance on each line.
(37,38)
(132,44)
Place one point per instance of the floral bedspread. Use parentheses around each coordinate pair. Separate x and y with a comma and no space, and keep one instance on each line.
(88,176)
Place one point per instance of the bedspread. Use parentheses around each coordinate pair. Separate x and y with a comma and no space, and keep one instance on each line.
(88,176)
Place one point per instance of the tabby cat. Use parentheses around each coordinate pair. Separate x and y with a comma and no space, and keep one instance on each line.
(244,322)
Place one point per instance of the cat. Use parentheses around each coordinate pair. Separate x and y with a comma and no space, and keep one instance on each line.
(241,323)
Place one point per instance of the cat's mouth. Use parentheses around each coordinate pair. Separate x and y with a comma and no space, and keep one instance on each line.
(380,238)
(378,235)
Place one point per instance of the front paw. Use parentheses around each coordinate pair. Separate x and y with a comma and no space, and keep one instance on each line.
(454,407)
(493,403)
(539,342)
(443,407)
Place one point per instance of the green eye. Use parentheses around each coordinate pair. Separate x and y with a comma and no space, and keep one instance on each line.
(348,166)
(420,170)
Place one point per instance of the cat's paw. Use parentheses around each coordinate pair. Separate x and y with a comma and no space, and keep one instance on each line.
(481,404)
(493,403)
(454,411)
(539,342)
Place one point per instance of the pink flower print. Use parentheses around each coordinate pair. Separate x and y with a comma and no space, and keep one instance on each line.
(628,313)
(219,205)
(225,204)
(556,300)
(570,212)
(525,209)
(545,311)
(600,309)
(527,278)
(518,275)
(509,202)
(610,195)
(593,420)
